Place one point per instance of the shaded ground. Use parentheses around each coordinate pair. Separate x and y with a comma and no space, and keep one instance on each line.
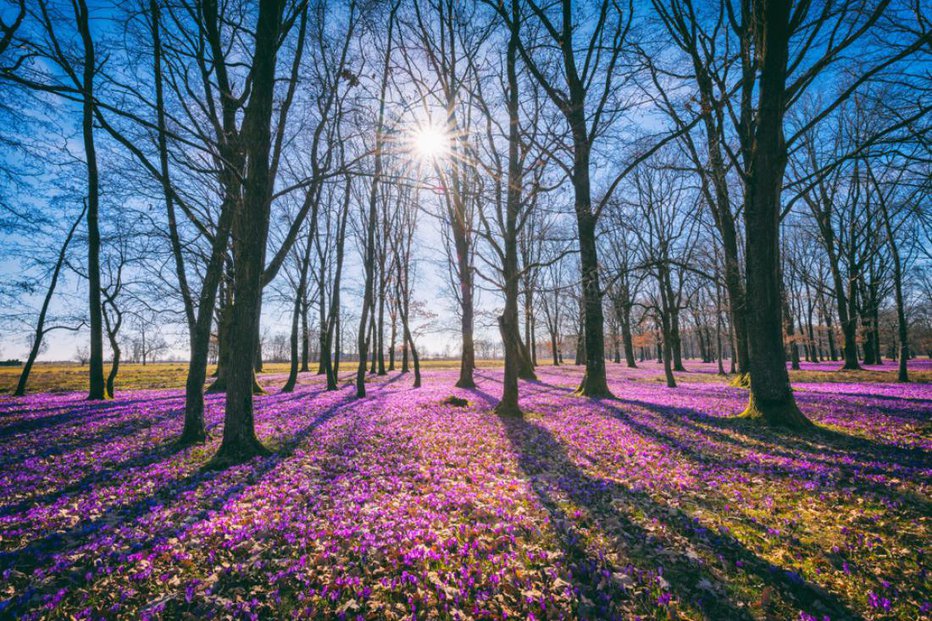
(655,505)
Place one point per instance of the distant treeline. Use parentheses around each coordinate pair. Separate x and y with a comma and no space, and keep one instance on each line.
(12,362)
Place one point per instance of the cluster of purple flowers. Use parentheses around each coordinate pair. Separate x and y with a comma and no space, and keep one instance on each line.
(656,505)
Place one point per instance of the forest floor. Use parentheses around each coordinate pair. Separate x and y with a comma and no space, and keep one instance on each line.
(658,504)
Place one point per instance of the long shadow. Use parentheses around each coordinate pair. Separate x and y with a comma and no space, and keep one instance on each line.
(398,376)
(263,467)
(786,444)
(817,440)
(553,474)
(54,543)
(913,410)
(102,409)
(817,443)
(836,472)
(926,401)
(107,433)
(482,395)
(111,474)
(126,428)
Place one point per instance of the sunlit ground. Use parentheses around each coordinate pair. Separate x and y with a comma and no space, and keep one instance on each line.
(657,504)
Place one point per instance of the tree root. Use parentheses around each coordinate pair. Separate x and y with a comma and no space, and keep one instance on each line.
(784,413)
(233,454)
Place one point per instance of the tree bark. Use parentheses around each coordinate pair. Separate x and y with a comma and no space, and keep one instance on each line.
(305,338)
(250,233)
(508,321)
(97,387)
(593,383)
(296,318)
(369,258)
(771,398)
(902,329)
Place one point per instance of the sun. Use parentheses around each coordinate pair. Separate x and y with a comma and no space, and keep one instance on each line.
(430,143)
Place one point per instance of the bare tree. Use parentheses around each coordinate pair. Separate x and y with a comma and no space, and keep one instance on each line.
(41,329)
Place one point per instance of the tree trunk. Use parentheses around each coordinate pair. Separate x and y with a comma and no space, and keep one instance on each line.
(593,382)
(392,342)
(771,397)
(369,260)
(250,234)
(114,366)
(718,341)
(380,326)
(296,317)
(790,330)
(676,342)
(581,336)
(97,387)
(224,338)
(667,352)
(305,338)
(902,329)
(43,312)
(508,321)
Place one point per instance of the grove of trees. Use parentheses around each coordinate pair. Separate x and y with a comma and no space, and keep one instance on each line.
(745,182)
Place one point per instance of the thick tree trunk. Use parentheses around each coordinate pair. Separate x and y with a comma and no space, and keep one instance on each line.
(771,397)
(593,382)
(250,234)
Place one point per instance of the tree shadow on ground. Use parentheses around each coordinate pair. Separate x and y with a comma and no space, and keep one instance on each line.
(97,411)
(822,443)
(611,509)
(50,545)
(123,427)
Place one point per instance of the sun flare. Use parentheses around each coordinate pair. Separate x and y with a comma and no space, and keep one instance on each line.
(430,143)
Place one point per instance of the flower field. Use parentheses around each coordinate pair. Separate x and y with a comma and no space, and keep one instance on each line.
(656,505)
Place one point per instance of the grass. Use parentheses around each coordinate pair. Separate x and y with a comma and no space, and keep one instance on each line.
(67,377)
